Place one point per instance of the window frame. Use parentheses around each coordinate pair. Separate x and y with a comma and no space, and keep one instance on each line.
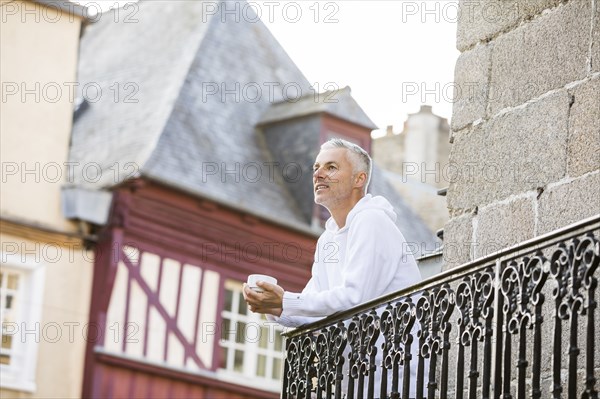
(251,349)
(20,376)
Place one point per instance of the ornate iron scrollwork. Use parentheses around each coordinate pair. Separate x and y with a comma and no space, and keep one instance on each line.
(499,310)
(474,298)
(299,367)
(363,332)
(573,267)
(521,283)
(434,309)
(396,326)
(330,345)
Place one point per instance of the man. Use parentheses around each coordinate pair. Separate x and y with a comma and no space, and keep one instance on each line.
(360,254)
(358,257)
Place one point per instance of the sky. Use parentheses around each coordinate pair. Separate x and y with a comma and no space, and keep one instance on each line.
(394,54)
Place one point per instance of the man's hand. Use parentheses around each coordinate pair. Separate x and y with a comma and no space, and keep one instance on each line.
(270,301)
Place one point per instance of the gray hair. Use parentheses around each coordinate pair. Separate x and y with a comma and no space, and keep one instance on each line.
(358,157)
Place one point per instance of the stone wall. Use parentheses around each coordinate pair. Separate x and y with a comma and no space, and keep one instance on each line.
(525,128)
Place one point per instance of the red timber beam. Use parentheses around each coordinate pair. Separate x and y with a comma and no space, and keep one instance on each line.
(107,254)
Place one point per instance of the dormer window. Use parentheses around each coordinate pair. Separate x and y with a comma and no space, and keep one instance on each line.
(295,131)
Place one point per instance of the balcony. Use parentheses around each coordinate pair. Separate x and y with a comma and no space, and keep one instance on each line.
(519,323)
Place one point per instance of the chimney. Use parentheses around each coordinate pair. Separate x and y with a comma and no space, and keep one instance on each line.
(426,109)
(389,130)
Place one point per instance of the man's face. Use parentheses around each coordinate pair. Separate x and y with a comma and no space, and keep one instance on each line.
(332,178)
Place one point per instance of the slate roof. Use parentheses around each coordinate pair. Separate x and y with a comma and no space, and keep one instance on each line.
(182,93)
(418,236)
(175,132)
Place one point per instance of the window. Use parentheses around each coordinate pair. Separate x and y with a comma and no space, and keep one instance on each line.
(21,290)
(251,346)
(9,312)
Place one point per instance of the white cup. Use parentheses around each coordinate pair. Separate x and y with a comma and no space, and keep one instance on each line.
(253,278)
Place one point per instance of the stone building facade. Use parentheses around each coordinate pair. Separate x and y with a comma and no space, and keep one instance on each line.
(525,130)
(416,163)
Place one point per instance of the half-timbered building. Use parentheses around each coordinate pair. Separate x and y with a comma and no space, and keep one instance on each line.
(203,138)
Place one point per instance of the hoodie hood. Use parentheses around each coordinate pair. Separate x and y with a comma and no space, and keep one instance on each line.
(368,202)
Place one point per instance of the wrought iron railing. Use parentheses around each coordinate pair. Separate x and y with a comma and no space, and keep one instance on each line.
(519,323)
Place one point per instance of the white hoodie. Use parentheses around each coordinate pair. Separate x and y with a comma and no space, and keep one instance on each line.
(365,259)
